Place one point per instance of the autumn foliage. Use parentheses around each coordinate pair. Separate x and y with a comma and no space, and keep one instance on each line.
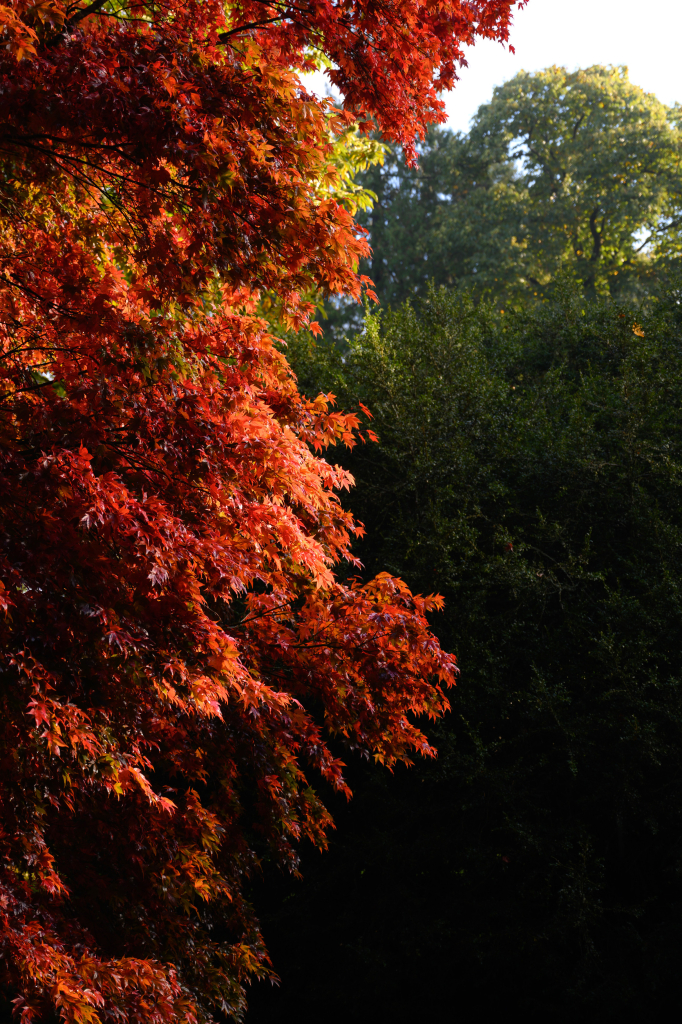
(176,649)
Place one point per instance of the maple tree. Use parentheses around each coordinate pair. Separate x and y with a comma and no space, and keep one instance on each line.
(176,646)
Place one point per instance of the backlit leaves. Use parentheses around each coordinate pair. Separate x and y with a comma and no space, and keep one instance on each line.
(177,649)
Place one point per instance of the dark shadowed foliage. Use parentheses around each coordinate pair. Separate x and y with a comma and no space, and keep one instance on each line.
(530,469)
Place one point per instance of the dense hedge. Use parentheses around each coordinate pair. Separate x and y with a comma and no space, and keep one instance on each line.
(530,469)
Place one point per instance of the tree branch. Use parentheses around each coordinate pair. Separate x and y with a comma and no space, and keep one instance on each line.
(83,13)
(224,36)
(596,236)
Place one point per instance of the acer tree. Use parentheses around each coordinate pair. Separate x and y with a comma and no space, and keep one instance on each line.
(176,649)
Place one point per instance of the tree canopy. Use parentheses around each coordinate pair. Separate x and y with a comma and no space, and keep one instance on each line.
(596,187)
(176,647)
(561,173)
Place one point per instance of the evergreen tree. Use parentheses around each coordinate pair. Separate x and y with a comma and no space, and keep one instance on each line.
(530,469)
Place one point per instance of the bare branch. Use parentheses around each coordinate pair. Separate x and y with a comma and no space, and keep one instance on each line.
(224,36)
(83,13)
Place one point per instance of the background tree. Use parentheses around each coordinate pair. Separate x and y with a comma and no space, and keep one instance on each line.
(561,173)
(598,188)
(176,649)
(528,469)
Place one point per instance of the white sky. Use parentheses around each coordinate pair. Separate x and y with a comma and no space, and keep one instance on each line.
(646,36)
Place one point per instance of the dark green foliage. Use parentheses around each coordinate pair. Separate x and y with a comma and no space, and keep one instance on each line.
(411,242)
(530,469)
